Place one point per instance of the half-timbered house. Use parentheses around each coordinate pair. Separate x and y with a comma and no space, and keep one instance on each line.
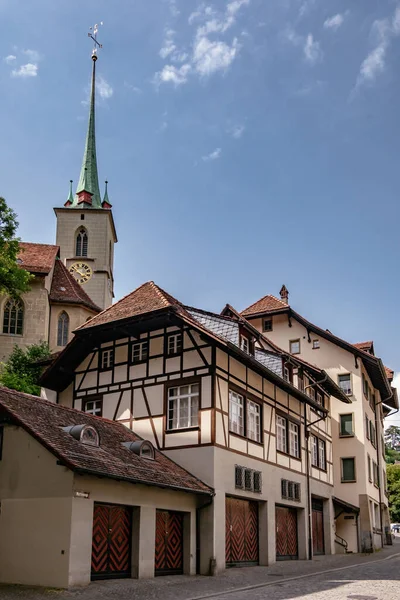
(211,393)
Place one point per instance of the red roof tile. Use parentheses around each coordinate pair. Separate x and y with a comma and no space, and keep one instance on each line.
(389,373)
(146,298)
(65,288)
(37,258)
(264,305)
(45,421)
(366,346)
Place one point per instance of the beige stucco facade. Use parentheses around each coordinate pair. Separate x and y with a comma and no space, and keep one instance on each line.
(363,492)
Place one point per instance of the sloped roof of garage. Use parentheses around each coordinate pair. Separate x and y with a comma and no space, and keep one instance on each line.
(45,421)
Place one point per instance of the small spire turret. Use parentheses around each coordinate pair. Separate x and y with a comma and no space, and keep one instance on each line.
(106,202)
(70,198)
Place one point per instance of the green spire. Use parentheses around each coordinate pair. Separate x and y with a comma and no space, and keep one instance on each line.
(89,179)
(70,199)
(106,199)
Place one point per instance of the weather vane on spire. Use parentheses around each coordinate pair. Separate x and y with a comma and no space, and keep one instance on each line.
(93,35)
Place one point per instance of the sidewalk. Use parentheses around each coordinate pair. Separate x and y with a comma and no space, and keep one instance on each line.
(190,588)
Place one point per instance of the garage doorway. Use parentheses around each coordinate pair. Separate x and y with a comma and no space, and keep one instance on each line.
(286,533)
(318,527)
(241,532)
(111,542)
(169,543)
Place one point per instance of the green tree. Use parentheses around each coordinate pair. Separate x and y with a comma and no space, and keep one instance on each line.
(22,370)
(393,483)
(392,437)
(391,456)
(13,280)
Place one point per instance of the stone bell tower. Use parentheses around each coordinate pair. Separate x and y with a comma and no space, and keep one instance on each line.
(85,225)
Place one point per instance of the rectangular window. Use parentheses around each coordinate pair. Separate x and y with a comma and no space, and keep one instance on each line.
(372,401)
(294,346)
(346,425)
(253,421)
(248,479)
(239,477)
(107,359)
(174,343)
(372,435)
(322,454)
(320,399)
(369,468)
(377,518)
(257,481)
(183,406)
(140,351)
(314,451)
(376,473)
(367,429)
(345,383)
(348,469)
(294,445)
(281,437)
(245,344)
(267,324)
(315,344)
(236,413)
(284,488)
(93,407)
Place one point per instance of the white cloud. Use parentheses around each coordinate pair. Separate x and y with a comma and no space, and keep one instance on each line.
(172,74)
(306,6)
(237,131)
(213,155)
(103,88)
(169,46)
(312,50)
(201,12)
(373,64)
(396,21)
(173,8)
(335,22)
(28,70)
(209,57)
(132,87)
(10,59)
(33,55)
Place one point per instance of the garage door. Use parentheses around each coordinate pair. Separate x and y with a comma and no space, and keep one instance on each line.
(169,543)
(318,527)
(286,533)
(111,547)
(241,544)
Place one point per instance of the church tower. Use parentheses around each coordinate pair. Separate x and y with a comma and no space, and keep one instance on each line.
(85,226)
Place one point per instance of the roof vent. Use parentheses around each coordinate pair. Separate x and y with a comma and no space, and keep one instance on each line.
(142,448)
(84,433)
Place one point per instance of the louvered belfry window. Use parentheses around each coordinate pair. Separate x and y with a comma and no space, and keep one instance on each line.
(82,242)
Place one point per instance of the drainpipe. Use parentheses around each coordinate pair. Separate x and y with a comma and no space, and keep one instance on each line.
(307,437)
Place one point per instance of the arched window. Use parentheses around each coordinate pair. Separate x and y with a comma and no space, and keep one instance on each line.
(81,242)
(62,331)
(13,319)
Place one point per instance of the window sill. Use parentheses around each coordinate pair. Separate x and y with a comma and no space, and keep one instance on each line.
(348,481)
(174,355)
(182,429)
(289,455)
(137,362)
(346,435)
(244,437)
(320,468)
(13,335)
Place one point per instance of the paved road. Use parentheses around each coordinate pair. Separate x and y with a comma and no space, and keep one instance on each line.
(375,579)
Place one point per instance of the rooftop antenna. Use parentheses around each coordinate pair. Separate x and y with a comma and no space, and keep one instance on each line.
(93,31)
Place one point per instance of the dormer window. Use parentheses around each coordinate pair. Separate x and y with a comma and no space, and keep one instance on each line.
(245,344)
(86,434)
(142,448)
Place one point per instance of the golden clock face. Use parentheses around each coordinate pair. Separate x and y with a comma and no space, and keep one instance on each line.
(81,271)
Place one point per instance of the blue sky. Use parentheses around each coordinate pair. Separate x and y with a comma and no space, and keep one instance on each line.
(248,143)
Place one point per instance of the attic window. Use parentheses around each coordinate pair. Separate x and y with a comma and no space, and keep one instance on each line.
(142,448)
(86,434)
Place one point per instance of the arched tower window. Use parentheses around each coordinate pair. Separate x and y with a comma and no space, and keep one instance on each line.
(13,319)
(81,242)
(62,330)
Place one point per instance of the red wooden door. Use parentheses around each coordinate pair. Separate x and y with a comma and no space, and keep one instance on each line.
(169,543)
(318,527)
(241,532)
(286,533)
(111,543)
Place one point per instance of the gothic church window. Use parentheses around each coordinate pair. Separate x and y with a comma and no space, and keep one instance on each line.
(13,319)
(81,242)
(62,330)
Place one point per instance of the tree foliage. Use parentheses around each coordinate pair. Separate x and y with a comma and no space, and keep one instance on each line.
(13,280)
(392,437)
(393,483)
(21,372)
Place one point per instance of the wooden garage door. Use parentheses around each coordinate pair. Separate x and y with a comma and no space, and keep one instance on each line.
(111,543)
(169,543)
(241,532)
(286,533)
(318,527)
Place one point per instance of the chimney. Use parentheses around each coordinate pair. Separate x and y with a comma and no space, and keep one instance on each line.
(284,294)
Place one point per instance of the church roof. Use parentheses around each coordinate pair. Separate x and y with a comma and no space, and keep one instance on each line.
(264,306)
(45,421)
(65,289)
(37,258)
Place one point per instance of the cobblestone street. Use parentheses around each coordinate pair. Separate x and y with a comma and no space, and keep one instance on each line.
(351,577)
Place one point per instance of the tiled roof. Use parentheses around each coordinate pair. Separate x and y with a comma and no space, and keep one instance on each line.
(272,361)
(37,258)
(267,304)
(222,326)
(146,298)
(366,346)
(65,288)
(45,421)
(389,373)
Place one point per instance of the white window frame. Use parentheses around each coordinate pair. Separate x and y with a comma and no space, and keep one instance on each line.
(174,407)
(142,351)
(281,434)
(236,412)
(245,344)
(253,421)
(107,358)
(348,391)
(291,343)
(316,345)
(322,454)
(294,439)
(314,451)
(344,435)
(96,407)
(174,343)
